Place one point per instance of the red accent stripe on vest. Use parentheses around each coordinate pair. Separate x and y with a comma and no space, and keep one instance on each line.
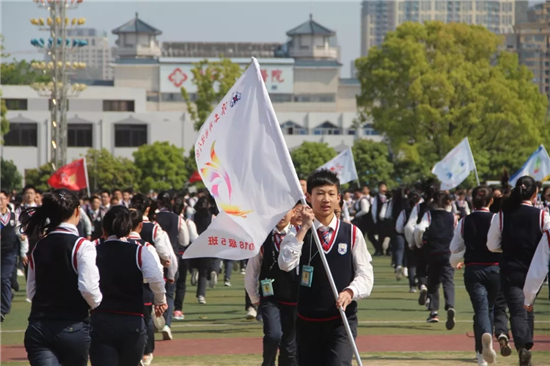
(139,256)
(78,244)
(116,312)
(548,237)
(353,236)
(481,264)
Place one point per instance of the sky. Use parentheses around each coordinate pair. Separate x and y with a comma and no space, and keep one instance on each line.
(198,21)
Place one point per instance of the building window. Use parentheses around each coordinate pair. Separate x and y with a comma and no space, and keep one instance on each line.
(280,98)
(315,98)
(118,106)
(80,135)
(291,128)
(327,128)
(16,104)
(130,135)
(22,134)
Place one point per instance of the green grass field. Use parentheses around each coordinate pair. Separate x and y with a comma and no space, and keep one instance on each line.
(391,310)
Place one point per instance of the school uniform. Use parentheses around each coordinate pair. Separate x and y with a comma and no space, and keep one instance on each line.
(481,272)
(435,233)
(183,268)
(320,333)
(419,250)
(97,222)
(384,227)
(461,208)
(363,219)
(204,265)
(119,333)
(148,296)
(153,234)
(516,235)
(9,242)
(404,252)
(277,301)
(177,232)
(63,284)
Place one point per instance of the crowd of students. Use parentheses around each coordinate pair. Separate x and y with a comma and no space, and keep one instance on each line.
(104,272)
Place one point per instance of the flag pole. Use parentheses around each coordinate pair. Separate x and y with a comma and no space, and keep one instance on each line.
(334,290)
(474,160)
(86,174)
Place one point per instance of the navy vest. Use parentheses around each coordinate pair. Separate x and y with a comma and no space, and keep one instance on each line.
(57,296)
(437,238)
(169,222)
(121,280)
(521,233)
(474,231)
(8,236)
(147,232)
(285,286)
(317,302)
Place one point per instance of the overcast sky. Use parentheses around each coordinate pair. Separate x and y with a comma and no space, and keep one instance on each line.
(206,21)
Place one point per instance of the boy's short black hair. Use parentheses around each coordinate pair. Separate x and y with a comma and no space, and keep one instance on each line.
(321,178)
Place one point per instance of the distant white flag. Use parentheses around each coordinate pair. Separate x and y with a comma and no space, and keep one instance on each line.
(455,166)
(537,166)
(245,164)
(343,165)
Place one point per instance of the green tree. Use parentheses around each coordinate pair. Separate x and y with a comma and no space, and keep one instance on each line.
(10,176)
(310,156)
(430,85)
(108,172)
(21,73)
(372,162)
(213,80)
(39,177)
(161,166)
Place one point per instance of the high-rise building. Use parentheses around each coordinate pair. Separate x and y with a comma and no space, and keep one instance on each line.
(379,17)
(530,41)
(97,54)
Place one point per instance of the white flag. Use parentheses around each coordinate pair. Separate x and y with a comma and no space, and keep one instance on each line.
(245,164)
(455,166)
(343,165)
(537,166)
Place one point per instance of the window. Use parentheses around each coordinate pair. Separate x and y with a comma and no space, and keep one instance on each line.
(80,135)
(22,134)
(291,128)
(280,98)
(327,128)
(118,106)
(16,104)
(312,98)
(130,135)
(426,5)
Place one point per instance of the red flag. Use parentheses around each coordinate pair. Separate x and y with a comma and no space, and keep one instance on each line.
(195,177)
(71,176)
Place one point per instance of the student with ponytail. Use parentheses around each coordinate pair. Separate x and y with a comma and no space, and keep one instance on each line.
(63,283)
(515,232)
(119,333)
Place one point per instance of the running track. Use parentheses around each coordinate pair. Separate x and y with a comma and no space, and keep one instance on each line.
(235,346)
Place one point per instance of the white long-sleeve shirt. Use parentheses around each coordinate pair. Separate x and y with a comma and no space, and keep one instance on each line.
(400,223)
(494,237)
(411,225)
(88,273)
(164,249)
(382,214)
(192,230)
(538,270)
(254,266)
(183,232)
(363,204)
(361,286)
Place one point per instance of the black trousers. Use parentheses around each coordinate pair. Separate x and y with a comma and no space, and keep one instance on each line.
(483,285)
(57,342)
(521,320)
(148,319)
(181,283)
(279,333)
(440,272)
(117,340)
(501,316)
(421,266)
(325,343)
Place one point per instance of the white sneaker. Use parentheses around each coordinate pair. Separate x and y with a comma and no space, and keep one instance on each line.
(480,360)
(166,333)
(28,300)
(227,283)
(147,359)
(243,271)
(251,313)
(20,273)
(213,279)
(399,273)
(489,353)
(202,300)
(194,276)
(406,272)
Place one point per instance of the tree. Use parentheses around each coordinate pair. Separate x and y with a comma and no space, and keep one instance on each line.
(21,73)
(161,166)
(108,172)
(213,80)
(39,177)
(10,176)
(430,85)
(309,156)
(372,162)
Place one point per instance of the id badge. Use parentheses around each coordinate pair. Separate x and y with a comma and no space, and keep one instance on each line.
(307,276)
(267,287)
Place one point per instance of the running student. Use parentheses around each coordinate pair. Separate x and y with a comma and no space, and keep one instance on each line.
(401,241)
(481,273)
(63,283)
(119,333)
(515,232)
(435,233)
(276,293)
(320,333)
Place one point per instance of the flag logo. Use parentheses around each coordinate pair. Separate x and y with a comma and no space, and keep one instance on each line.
(235,97)
(215,174)
(538,164)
